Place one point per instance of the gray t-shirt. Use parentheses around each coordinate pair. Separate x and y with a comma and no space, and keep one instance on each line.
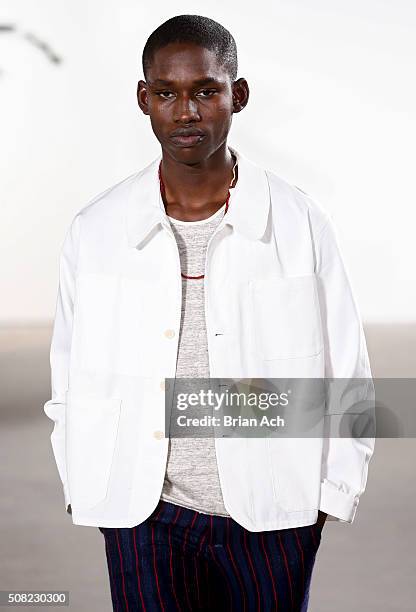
(191,478)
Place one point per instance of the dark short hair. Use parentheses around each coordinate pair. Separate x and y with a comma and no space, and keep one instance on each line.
(195,29)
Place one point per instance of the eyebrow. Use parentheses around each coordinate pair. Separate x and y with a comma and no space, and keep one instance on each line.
(203,81)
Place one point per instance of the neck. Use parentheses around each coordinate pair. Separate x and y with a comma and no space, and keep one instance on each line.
(195,192)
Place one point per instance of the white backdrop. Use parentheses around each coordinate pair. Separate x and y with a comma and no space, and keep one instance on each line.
(332,110)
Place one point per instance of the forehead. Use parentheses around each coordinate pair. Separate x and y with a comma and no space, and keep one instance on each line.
(185,63)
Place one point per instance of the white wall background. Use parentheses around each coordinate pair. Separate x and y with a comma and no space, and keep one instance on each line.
(332,109)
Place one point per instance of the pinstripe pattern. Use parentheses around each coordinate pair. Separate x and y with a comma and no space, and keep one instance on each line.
(181,560)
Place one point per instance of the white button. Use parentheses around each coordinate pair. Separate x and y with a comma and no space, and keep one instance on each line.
(169,333)
(158,434)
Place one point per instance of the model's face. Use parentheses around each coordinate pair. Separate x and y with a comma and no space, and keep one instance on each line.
(190,99)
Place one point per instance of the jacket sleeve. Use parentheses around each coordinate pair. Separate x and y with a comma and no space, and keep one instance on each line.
(60,350)
(350,388)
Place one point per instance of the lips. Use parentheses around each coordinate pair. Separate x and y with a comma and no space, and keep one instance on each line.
(187,141)
(187,136)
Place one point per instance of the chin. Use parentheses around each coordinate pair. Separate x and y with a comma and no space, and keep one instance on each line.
(187,155)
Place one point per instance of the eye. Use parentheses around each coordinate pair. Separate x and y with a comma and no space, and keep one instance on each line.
(208,93)
(165,94)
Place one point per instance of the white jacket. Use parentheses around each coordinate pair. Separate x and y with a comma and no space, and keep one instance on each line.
(278,303)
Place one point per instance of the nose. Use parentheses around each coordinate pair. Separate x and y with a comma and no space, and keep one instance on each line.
(186,110)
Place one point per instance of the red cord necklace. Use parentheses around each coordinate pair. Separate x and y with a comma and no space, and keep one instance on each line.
(163,194)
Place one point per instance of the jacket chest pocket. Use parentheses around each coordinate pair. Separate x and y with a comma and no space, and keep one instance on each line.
(286,315)
(91,428)
(120,322)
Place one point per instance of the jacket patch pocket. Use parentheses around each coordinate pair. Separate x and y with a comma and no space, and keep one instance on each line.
(295,465)
(91,433)
(286,317)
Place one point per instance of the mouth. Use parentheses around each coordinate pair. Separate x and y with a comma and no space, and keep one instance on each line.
(187,141)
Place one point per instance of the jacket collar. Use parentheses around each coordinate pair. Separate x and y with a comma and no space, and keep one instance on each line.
(248,205)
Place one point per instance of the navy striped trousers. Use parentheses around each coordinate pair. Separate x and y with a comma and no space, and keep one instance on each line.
(182,560)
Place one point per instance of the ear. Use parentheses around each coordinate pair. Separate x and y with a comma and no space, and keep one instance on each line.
(142,98)
(241,94)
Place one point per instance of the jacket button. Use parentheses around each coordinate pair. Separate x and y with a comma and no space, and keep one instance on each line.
(158,434)
(169,333)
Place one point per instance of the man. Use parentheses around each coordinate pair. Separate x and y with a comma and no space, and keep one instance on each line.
(201,265)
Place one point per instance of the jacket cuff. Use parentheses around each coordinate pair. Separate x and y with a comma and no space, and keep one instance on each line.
(337,502)
(66,496)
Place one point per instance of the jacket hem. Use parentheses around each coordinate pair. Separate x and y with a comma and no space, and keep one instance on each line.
(296,519)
